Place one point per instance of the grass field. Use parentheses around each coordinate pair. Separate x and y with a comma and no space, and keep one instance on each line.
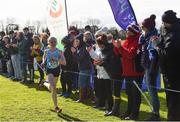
(19,102)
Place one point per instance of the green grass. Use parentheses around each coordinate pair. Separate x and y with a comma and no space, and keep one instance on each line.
(20,102)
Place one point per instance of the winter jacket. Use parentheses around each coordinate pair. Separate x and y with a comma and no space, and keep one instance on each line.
(149,53)
(169,50)
(83,58)
(69,58)
(128,51)
(24,47)
(14,50)
(112,61)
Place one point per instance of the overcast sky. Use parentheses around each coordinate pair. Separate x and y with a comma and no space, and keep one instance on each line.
(80,10)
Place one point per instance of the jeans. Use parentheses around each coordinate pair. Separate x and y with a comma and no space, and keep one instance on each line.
(9,68)
(23,60)
(84,78)
(151,82)
(17,66)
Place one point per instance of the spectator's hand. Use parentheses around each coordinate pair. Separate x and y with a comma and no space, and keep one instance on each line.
(13,45)
(117,43)
(98,62)
(89,48)
(73,50)
(155,40)
(8,45)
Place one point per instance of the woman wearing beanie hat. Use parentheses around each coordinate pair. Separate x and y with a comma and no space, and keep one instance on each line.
(128,49)
(149,61)
(149,22)
(169,51)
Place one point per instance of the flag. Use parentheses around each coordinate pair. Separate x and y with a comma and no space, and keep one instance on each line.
(56,19)
(123,13)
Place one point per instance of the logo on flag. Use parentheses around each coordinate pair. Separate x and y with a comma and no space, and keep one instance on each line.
(55,8)
(123,13)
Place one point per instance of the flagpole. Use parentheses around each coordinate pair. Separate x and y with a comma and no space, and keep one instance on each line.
(67,23)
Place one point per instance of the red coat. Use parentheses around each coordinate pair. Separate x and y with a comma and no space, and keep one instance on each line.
(128,51)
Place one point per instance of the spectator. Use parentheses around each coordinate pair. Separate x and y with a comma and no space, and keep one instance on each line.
(2,47)
(128,50)
(150,63)
(37,53)
(23,48)
(66,75)
(15,58)
(169,50)
(72,32)
(88,38)
(7,56)
(104,86)
(85,66)
(44,40)
(30,59)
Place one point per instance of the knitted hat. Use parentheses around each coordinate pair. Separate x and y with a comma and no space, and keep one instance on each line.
(169,17)
(134,29)
(150,23)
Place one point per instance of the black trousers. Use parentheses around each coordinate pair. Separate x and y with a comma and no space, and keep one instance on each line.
(172,98)
(4,66)
(66,79)
(105,92)
(134,95)
(31,68)
(41,72)
(117,85)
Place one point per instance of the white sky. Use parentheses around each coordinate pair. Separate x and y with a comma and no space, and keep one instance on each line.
(80,10)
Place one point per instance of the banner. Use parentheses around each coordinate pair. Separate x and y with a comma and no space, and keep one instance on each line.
(123,13)
(56,19)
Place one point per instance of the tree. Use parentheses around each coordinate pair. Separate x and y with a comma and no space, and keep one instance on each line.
(27,23)
(93,22)
(2,27)
(37,25)
(10,20)
(78,24)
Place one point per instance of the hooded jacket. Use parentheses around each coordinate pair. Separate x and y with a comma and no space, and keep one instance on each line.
(129,51)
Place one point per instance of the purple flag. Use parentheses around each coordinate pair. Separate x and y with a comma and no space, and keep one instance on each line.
(123,13)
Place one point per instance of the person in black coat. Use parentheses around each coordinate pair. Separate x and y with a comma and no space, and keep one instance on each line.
(113,66)
(28,43)
(81,55)
(169,51)
(66,75)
